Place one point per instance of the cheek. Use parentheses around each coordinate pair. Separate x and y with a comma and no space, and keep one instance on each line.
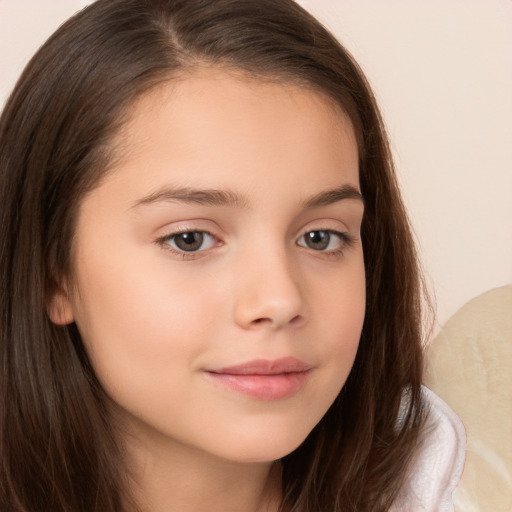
(138,320)
(340,294)
(341,311)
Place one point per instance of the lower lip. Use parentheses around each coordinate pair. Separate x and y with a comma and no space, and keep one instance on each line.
(263,387)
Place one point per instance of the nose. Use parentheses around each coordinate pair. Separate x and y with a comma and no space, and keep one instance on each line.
(268,293)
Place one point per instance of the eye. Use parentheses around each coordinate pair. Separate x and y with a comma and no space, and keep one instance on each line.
(189,241)
(325,240)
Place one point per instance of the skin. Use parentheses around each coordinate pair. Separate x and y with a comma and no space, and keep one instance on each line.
(154,319)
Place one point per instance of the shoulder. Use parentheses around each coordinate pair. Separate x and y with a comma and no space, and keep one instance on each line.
(437,466)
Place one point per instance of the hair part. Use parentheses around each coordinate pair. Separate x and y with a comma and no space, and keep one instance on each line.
(57,448)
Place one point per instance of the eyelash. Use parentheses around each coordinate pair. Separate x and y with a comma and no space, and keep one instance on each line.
(164,243)
(346,241)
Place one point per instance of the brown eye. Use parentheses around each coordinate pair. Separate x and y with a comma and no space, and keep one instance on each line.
(317,240)
(325,240)
(190,241)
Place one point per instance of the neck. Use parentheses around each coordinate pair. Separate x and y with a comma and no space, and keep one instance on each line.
(171,477)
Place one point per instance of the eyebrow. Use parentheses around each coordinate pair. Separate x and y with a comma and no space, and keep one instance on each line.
(333,196)
(229,198)
(208,197)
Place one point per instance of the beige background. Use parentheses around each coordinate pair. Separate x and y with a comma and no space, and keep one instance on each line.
(442,72)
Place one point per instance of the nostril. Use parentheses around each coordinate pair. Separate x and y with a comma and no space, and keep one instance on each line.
(296,320)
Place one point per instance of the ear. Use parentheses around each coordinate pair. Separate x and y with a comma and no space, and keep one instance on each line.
(60,309)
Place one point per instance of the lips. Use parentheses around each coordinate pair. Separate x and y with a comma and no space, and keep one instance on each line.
(264,379)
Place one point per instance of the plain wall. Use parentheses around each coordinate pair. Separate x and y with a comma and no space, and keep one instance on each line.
(442,73)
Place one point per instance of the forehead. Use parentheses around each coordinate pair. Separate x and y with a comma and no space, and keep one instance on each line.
(208,89)
(235,125)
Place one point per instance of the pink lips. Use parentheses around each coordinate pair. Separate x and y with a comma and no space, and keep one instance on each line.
(264,379)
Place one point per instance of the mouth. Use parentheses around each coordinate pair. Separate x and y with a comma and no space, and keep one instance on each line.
(264,379)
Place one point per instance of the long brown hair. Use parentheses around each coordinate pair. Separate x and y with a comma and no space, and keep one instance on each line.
(58,452)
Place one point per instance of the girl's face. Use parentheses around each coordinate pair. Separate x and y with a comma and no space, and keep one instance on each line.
(218,271)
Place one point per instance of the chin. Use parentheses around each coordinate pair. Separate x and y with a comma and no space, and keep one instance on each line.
(264,448)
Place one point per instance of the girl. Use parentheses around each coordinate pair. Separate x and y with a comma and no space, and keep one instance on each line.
(210,295)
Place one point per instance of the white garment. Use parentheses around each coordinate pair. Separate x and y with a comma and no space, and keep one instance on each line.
(437,468)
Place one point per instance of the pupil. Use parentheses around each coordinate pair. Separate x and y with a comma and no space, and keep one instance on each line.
(318,240)
(189,241)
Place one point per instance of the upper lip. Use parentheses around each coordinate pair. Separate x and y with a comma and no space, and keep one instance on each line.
(265,367)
